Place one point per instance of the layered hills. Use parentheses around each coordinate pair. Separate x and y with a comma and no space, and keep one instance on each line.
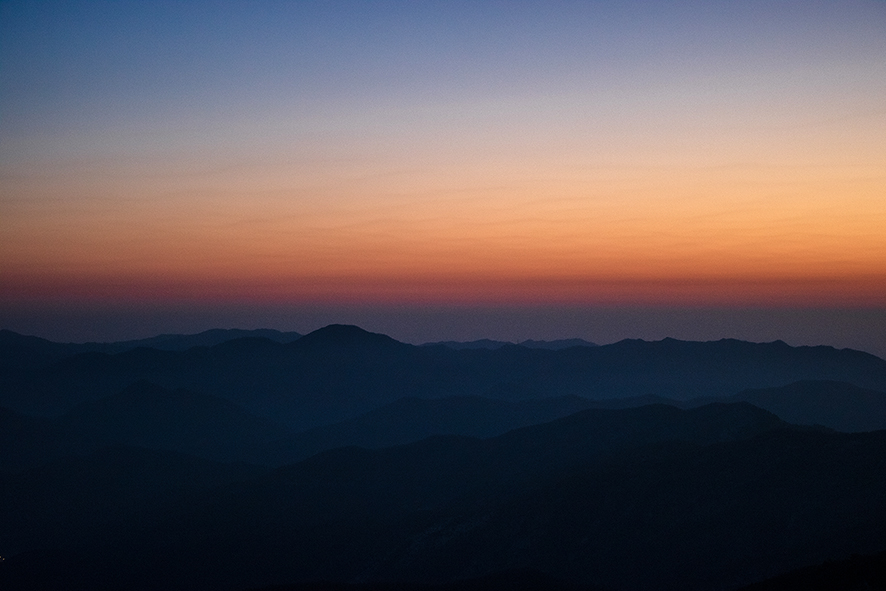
(340,372)
(656,496)
(348,457)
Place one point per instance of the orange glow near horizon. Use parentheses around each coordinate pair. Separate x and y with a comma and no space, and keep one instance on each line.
(672,164)
(795,292)
(670,236)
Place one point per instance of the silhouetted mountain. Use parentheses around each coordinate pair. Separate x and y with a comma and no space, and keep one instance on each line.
(512,580)
(411,419)
(680,516)
(146,415)
(626,489)
(478,344)
(557,344)
(27,351)
(651,497)
(83,501)
(27,441)
(182,342)
(857,573)
(836,405)
(20,353)
(340,372)
(554,345)
(675,516)
(344,337)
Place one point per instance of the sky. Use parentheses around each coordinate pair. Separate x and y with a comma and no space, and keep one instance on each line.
(445,170)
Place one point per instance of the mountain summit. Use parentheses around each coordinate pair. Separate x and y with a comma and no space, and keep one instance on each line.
(346,335)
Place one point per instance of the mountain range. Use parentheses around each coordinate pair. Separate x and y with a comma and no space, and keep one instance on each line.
(344,459)
(554,345)
(340,372)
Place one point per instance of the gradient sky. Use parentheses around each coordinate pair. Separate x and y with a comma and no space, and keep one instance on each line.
(347,156)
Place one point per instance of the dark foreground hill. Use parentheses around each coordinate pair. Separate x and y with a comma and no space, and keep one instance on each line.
(340,372)
(146,415)
(27,441)
(648,498)
(201,425)
(412,419)
(837,405)
(84,500)
(515,580)
(856,573)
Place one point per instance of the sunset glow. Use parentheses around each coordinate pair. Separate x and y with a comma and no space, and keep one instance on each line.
(686,154)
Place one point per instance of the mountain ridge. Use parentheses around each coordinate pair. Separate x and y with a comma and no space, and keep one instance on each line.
(451,508)
(554,345)
(340,372)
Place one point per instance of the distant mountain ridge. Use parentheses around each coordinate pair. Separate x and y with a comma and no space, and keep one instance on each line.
(149,416)
(207,338)
(408,420)
(554,345)
(837,405)
(350,457)
(210,427)
(143,415)
(29,351)
(340,372)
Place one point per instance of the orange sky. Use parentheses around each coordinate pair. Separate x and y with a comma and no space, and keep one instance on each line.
(728,158)
(718,235)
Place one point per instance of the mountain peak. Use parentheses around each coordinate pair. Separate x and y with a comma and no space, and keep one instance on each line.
(346,335)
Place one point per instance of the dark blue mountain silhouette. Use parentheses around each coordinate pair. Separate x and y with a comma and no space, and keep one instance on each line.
(854,573)
(344,336)
(412,419)
(146,415)
(340,372)
(837,405)
(182,342)
(21,353)
(554,345)
(12,343)
(26,441)
(651,497)
(478,344)
(619,492)
(86,499)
